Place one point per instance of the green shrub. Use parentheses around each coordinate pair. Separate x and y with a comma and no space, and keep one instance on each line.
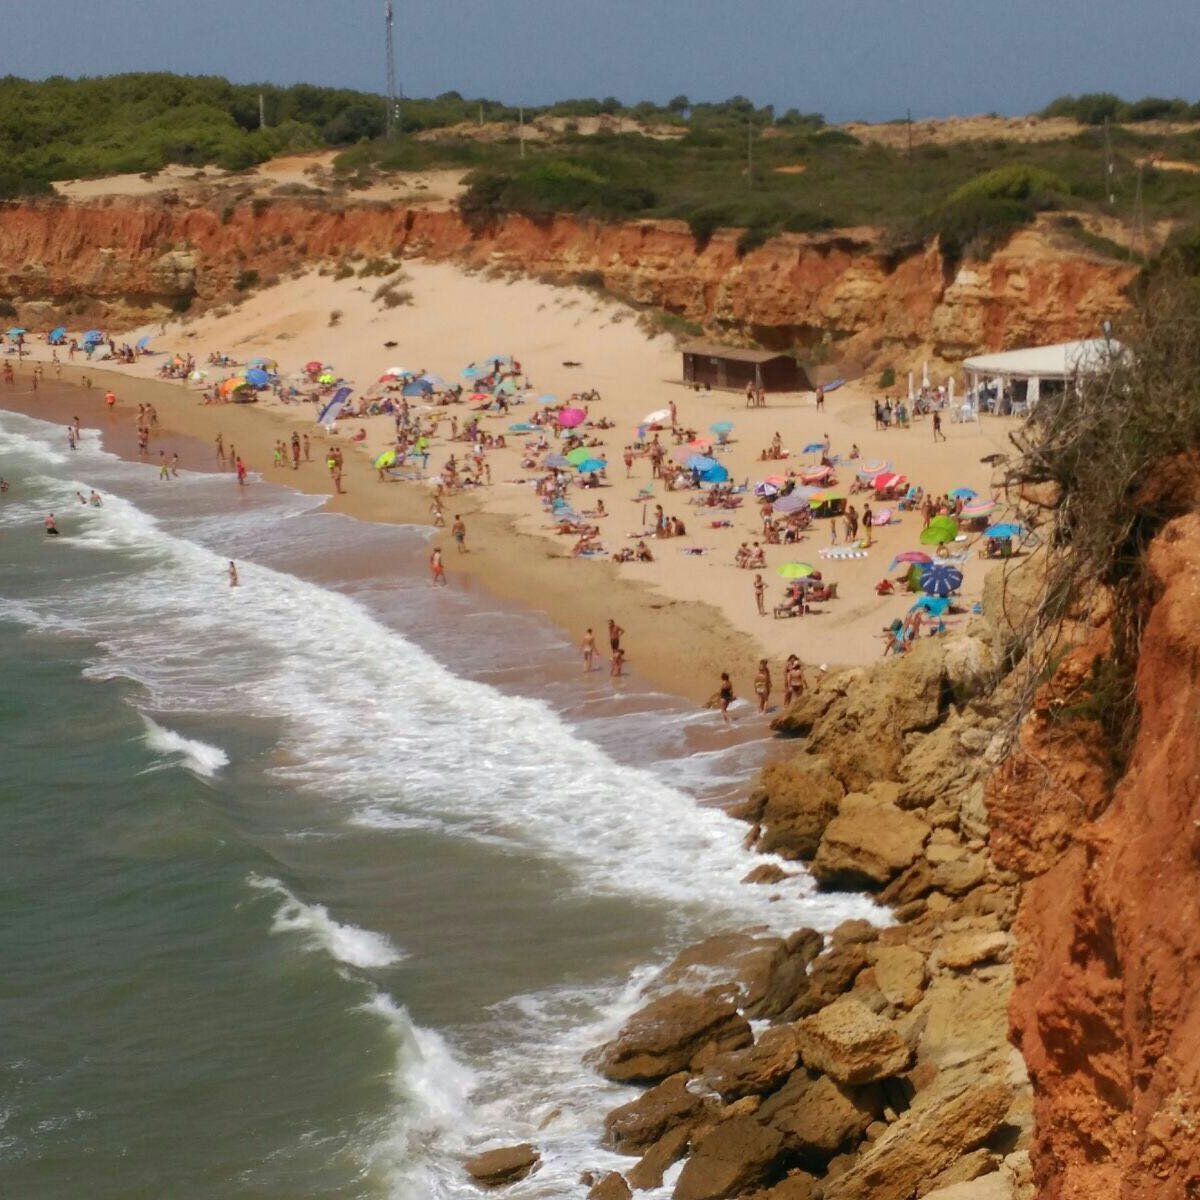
(888,377)
(245,280)
(1033,185)
(976,227)
(344,271)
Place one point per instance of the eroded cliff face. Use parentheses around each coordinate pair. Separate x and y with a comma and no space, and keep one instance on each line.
(1106,1007)
(835,297)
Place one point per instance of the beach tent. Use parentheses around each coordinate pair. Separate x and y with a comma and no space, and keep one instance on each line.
(590,464)
(143,342)
(256,377)
(939,531)
(417,387)
(436,382)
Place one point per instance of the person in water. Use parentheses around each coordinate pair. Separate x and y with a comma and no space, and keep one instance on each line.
(51,526)
(233,573)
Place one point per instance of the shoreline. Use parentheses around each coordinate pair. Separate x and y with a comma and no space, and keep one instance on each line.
(675,640)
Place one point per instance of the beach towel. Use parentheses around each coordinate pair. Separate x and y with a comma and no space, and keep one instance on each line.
(841,552)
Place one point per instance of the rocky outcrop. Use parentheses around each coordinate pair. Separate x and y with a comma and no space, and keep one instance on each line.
(129,259)
(852,1044)
(499,1168)
(1106,1008)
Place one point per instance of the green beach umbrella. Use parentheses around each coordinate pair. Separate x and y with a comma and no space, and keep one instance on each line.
(385,459)
(796,570)
(578,455)
(939,531)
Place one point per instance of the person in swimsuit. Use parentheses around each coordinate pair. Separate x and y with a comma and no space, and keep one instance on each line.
(51,526)
(437,567)
(759,589)
(615,633)
(762,684)
(589,650)
(459,530)
(616,668)
(233,573)
(725,696)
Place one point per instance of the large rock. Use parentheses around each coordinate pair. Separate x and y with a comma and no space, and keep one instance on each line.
(942,1125)
(851,1044)
(830,976)
(731,1157)
(868,844)
(640,1123)
(818,1118)
(958,951)
(999,1185)
(797,1185)
(498,1168)
(757,1069)
(648,1172)
(666,1035)
(797,803)
(900,974)
(610,1187)
(787,975)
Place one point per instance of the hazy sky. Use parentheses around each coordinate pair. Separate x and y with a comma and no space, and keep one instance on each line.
(846,58)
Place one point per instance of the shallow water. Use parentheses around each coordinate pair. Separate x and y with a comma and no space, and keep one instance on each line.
(318,883)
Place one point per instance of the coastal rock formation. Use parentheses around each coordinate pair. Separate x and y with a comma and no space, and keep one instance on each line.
(1106,1008)
(839,294)
(498,1168)
(851,1044)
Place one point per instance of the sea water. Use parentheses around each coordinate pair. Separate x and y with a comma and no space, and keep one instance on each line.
(313,886)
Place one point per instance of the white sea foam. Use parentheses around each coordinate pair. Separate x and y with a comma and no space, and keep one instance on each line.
(190,753)
(347,943)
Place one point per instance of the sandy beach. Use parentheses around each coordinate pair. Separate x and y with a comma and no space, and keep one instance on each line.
(690,613)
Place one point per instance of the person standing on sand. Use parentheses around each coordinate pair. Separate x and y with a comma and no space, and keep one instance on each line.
(307,449)
(938,435)
(221,451)
(337,478)
(867,526)
(459,532)
(725,695)
(627,455)
(759,590)
(110,398)
(437,568)
(295,451)
(617,666)
(762,684)
(589,651)
(233,574)
(615,633)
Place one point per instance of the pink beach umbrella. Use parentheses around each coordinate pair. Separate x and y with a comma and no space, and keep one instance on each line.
(870,467)
(568,418)
(984,506)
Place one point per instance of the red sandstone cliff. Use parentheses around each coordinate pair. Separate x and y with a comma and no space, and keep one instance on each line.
(1106,1008)
(835,297)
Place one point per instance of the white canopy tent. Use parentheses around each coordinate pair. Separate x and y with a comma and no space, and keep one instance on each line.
(1022,375)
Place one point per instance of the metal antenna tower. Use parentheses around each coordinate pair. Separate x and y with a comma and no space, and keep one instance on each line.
(392,122)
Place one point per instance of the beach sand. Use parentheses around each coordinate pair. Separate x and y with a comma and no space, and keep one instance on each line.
(688,615)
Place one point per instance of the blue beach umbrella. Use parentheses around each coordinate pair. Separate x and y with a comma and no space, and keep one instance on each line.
(547,399)
(1006,529)
(57,336)
(720,427)
(813,448)
(472,372)
(92,337)
(938,579)
(16,331)
(418,387)
(336,403)
(557,462)
(590,464)
(715,474)
(935,605)
(143,342)
(701,463)
(256,377)
(963,493)
(436,382)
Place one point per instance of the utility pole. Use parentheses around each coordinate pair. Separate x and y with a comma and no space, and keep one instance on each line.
(521,129)
(750,153)
(262,111)
(1109,167)
(392,120)
(908,124)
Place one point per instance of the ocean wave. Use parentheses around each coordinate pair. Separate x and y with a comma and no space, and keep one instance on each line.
(347,943)
(190,753)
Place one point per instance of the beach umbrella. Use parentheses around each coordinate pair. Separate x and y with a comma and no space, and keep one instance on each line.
(1006,529)
(796,570)
(814,448)
(701,463)
(939,531)
(557,462)
(790,503)
(963,493)
(326,377)
(714,474)
(232,385)
(578,455)
(267,364)
(870,467)
(568,418)
(766,489)
(435,381)
(983,507)
(257,377)
(16,331)
(939,579)
(590,464)
(934,605)
(548,400)
(386,459)
(701,444)
(92,337)
(889,479)
(394,372)
(522,427)
(472,372)
(337,401)
(142,343)
(57,335)
(311,367)
(911,556)
(720,427)
(505,386)
(489,359)
(657,417)
(416,387)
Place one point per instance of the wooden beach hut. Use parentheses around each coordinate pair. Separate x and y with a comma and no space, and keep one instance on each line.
(732,368)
